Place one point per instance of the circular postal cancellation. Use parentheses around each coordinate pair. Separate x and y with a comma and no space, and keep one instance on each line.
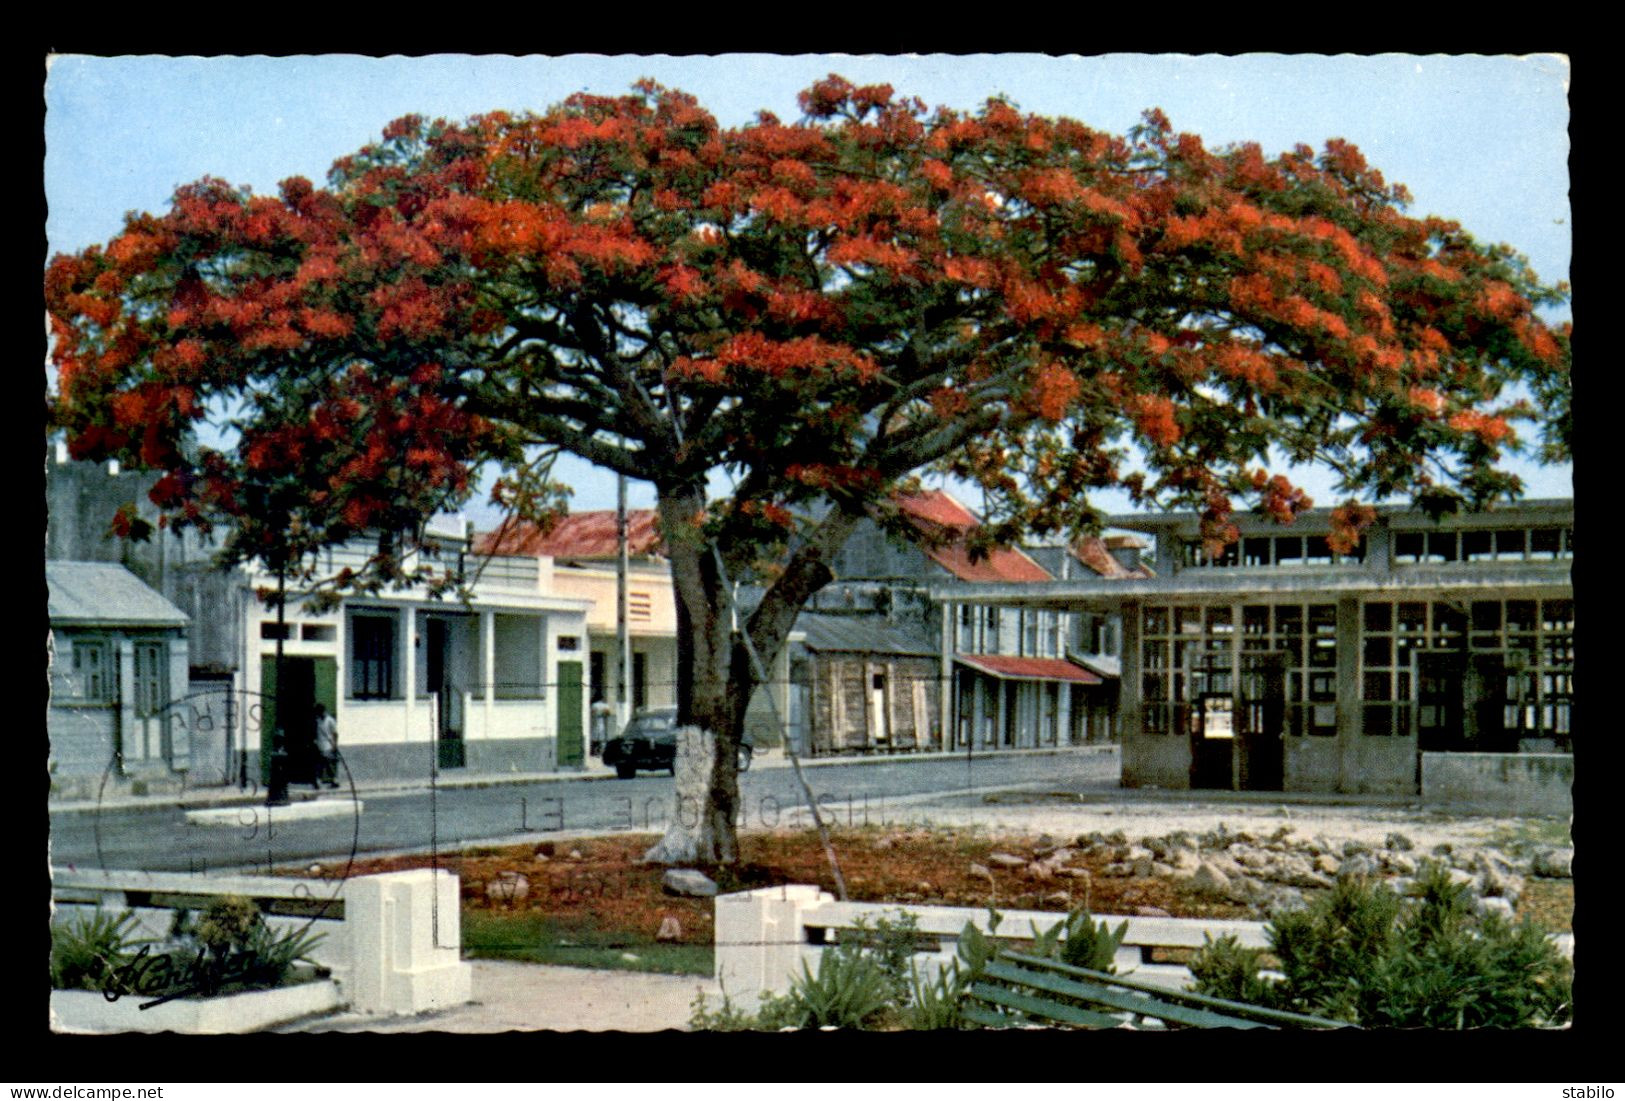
(289,858)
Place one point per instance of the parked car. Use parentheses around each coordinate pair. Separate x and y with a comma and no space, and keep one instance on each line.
(649,742)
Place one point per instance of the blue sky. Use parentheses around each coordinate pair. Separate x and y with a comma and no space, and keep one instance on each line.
(1483,140)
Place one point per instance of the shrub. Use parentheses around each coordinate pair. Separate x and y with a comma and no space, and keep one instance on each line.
(1362,954)
(850,990)
(772,1013)
(229,945)
(935,999)
(227,923)
(86,951)
(1080,942)
(1224,969)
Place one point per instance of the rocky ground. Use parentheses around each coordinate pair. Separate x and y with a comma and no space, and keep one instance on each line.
(1181,859)
(1262,856)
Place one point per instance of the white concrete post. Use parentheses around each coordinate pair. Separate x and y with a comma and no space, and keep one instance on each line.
(406,957)
(760,936)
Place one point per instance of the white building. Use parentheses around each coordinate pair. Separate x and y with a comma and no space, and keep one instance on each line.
(494,685)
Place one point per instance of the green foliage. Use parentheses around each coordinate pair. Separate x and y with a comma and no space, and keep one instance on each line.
(935,1000)
(1364,955)
(869,979)
(273,954)
(1080,942)
(891,943)
(773,1012)
(234,942)
(850,990)
(1224,969)
(227,923)
(88,949)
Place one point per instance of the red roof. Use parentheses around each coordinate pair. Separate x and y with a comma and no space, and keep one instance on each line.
(576,535)
(1014,668)
(936,514)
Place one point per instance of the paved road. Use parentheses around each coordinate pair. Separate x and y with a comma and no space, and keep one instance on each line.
(158,838)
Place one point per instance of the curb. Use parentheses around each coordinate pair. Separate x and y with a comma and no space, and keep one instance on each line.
(229,798)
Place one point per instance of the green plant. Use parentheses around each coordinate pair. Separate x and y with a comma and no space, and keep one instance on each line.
(230,944)
(272,955)
(86,950)
(1079,941)
(935,999)
(227,923)
(1224,969)
(773,1012)
(1364,955)
(850,990)
(891,943)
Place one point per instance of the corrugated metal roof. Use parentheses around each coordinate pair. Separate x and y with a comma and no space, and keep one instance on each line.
(869,634)
(105,594)
(1014,668)
(1097,555)
(935,514)
(1104,664)
(577,535)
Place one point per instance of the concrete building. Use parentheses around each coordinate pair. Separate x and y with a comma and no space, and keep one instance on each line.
(81,499)
(1283,665)
(1006,677)
(497,684)
(118,663)
(582,549)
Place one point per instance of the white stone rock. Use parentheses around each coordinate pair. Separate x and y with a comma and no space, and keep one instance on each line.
(508,887)
(1398,863)
(670,928)
(687,881)
(1553,863)
(1210,878)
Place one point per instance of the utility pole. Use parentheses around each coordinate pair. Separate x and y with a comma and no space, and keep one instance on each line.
(623,637)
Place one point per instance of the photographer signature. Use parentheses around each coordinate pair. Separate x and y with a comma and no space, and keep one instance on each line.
(170,975)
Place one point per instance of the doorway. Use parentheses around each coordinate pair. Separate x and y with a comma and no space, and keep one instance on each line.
(292,706)
(569,715)
(1261,722)
(877,707)
(1213,740)
(1440,678)
(439,662)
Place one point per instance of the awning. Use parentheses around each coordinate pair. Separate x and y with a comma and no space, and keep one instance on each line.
(1012,668)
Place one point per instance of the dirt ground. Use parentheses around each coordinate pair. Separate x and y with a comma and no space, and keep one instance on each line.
(597,885)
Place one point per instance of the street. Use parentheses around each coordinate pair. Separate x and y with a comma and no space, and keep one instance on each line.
(159,838)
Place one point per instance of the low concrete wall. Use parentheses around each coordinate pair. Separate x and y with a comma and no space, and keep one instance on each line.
(395,951)
(763,938)
(89,1011)
(1502,783)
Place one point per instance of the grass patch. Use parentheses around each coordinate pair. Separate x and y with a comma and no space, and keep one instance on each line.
(539,938)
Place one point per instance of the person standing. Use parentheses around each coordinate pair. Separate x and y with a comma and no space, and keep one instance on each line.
(327,747)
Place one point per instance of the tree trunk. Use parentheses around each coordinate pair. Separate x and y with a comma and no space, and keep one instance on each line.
(715,677)
(702,822)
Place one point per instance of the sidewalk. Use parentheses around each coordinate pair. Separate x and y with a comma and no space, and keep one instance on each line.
(530,997)
(593,770)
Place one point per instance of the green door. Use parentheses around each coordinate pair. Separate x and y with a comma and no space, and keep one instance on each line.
(316,678)
(569,724)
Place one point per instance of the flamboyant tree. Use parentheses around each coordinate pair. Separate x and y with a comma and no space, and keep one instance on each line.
(824,309)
